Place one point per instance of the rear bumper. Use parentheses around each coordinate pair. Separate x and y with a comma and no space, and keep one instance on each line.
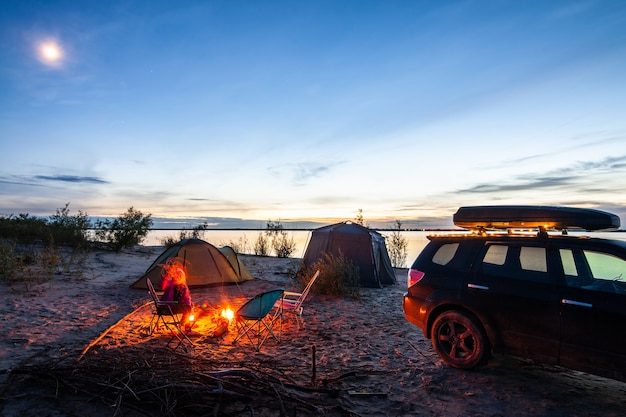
(415,312)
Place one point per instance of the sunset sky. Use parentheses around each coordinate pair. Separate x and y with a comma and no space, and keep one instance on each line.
(311,110)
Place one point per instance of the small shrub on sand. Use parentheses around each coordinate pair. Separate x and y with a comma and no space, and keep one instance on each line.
(282,244)
(27,265)
(240,245)
(126,231)
(69,230)
(398,247)
(195,233)
(261,245)
(338,276)
(61,228)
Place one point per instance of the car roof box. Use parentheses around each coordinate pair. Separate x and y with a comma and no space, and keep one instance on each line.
(545,217)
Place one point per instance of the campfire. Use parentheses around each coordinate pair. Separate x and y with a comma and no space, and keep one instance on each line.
(228,314)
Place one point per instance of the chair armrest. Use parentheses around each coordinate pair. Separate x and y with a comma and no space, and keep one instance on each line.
(291,294)
(290,306)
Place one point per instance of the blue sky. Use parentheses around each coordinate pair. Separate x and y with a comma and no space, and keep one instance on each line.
(303,110)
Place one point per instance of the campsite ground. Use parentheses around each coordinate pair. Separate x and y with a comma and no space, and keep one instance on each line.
(368,360)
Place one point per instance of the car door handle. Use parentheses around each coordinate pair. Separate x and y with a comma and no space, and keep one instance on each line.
(477,287)
(576,303)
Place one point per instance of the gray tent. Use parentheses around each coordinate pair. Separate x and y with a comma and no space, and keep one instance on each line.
(365,247)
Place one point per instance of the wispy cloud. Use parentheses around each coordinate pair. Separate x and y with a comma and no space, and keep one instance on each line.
(301,173)
(71,178)
(520,184)
(574,174)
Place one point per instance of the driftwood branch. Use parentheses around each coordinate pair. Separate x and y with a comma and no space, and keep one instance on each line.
(149,380)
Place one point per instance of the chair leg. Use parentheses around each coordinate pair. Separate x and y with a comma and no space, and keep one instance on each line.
(269,325)
(260,330)
(153,325)
(174,327)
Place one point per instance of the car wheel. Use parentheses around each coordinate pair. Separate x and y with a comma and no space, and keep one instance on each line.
(459,340)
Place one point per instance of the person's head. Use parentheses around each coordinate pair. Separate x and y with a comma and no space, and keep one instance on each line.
(178,275)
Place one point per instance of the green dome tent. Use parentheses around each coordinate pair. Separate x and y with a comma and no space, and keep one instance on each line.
(206,265)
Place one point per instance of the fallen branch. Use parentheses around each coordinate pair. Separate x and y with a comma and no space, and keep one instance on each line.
(151,381)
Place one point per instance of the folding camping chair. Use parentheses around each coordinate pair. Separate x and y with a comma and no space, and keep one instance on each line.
(162,313)
(257,318)
(292,301)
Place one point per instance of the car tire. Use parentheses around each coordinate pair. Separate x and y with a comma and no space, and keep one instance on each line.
(460,340)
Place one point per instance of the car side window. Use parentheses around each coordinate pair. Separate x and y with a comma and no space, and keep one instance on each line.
(569,265)
(445,253)
(496,255)
(533,259)
(524,263)
(575,268)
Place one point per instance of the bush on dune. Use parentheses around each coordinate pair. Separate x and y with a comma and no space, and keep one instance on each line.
(34,249)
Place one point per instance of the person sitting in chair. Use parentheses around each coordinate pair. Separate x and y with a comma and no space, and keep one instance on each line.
(174,286)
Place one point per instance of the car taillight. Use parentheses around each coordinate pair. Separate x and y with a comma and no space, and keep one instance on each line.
(414,277)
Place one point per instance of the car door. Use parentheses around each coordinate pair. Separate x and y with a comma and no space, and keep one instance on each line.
(513,288)
(593,317)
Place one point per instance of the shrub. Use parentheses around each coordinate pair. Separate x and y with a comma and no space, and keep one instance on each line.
(359,218)
(195,233)
(240,246)
(61,228)
(338,276)
(168,241)
(27,265)
(10,263)
(282,245)
(24,228)
(73,262)
(69,230)
(398,247)
(261,245)
(126,231)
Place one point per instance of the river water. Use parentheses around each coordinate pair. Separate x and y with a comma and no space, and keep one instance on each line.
(243,240)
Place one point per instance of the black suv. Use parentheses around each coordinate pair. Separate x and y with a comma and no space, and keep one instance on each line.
(549,297)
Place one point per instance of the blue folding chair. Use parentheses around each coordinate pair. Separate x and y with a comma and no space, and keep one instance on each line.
(258,317)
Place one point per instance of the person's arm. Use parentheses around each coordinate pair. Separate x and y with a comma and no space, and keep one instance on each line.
(185,296)
(166,282)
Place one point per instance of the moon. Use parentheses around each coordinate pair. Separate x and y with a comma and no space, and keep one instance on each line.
(50,53)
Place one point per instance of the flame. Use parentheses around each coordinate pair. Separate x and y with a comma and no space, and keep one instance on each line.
(192,317)
(228,314)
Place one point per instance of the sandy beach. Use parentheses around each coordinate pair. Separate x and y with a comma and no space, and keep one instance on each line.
(79,346)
